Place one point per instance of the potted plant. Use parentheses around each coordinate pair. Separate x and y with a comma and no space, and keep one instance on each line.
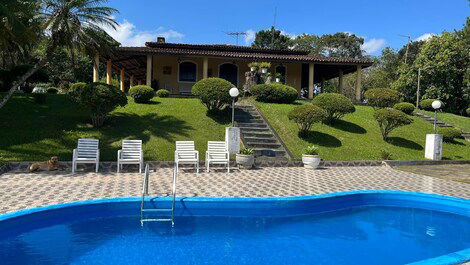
(278,77)
(253,66)
(310,157)
(264,67)
(245,158)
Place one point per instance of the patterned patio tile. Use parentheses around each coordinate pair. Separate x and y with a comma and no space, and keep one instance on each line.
(24,190)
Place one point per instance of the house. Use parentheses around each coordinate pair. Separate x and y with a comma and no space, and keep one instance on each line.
(176,67)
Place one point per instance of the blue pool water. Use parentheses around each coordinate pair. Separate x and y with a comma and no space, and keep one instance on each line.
(353,228)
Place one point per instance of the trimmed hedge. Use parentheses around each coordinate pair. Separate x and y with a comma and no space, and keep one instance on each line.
(52,90)
(390,119)
(141,93)
(274,93)
(426,104)
(382,97)
(406,107)
(306,115)
(449,134)
(335,105)
(163,93)
(468,111)
(213,93)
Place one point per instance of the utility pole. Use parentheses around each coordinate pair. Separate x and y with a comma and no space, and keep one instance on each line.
(236,34)
(407,45)
(274,28)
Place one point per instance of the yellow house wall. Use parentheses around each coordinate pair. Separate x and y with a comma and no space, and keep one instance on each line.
(170,81)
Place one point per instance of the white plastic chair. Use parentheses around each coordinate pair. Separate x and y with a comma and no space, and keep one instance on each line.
(217,153)
(131,153)
(87,152)
(185,153)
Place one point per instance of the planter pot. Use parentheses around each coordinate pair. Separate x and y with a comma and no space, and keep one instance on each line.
(245,161)
(311,161)
(253,69)
(278,80)
(264,70)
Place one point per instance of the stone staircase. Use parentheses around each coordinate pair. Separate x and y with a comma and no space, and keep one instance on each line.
(440,124)
(257,134)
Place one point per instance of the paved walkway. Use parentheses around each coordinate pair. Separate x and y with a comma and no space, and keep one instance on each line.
(23,190)
(454,172)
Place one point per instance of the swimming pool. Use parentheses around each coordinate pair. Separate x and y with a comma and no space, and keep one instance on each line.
(367,227)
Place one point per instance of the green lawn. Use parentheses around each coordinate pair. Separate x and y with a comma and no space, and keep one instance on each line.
(37,132)
(357,136)
(452,119)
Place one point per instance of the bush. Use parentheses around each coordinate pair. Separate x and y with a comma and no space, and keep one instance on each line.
(163,93)
(274,93)
(426,104)
(40,97)
(141,93)
(306,115)
(449,134)
(390,119)
(335,105)
(382,97)
(386,155)
(76,88)
(406,107)
(213,93)
(310,150)
(468,112)
(52,90)
(99,99)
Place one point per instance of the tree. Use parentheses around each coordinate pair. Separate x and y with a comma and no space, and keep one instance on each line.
(309,43)
(390,119)
(342,44)
(413,51)
(272,38)
(74,25)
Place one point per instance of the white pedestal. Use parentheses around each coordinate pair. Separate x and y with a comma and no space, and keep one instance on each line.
(433,148)
(232,138)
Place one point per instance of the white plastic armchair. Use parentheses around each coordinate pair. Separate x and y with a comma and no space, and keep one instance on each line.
(217,153)
(87,152)
(185,153)
(131,153)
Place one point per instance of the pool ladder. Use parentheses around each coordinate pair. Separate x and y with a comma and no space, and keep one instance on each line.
(145,193)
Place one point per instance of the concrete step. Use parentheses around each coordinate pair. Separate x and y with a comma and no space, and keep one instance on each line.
(259,140)
(252,125)
(253,129)
(257,134)
(248,120)
(269,152)
(263,145)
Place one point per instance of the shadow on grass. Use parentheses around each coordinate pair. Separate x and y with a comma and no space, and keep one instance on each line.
(321,139)
(453,141)
(221,117)
(402,142)
(348,127)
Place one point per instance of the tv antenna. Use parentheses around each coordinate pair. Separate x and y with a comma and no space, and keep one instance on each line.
(236,34)
(407,45)
(274,27)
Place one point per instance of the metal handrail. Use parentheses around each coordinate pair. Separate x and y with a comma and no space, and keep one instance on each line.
(145,191)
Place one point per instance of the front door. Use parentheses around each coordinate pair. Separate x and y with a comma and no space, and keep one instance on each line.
(229,72)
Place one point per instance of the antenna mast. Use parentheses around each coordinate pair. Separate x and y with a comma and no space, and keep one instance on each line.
(407,45)
(274,27)
(236,34)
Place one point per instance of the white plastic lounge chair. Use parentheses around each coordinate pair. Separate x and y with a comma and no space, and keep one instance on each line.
(217,153)
(87,152)
(131,153)
(185,153)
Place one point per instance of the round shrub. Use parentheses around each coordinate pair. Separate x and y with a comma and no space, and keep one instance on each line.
(468,112)
(163,93)
(335,105)
(306,115)
(76,88)
(406,107)
(426,104)
(390,119)
(382,97)
(274,93)
(99,99)
(39,97)
(449,134)
(52,90)
(141,93)
(213,93)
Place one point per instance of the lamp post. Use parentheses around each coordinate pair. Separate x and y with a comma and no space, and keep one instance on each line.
(436,104)
(233,93)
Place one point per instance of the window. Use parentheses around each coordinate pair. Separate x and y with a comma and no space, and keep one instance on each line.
(187,72)
(281,70)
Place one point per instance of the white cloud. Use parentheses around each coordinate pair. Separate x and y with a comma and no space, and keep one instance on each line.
(425,36)
(373,45)
(127,35)
(291,35)
(250,36)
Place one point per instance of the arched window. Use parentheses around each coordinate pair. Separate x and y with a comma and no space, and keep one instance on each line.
(229,72)
(281,70)
(187,72)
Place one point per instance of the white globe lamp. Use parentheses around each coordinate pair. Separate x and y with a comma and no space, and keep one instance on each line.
(233,93)
(436,104)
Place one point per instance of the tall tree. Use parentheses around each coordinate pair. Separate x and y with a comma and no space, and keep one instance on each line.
(272,38)
(342,44)
(308,42)
(75,25)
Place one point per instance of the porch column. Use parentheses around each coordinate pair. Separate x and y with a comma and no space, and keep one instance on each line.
(322,84)
(131,81)
(340,81)
(122,80)
(205,67)
(109,72)
(358,83)
(148,81)
(311,82)
(96,69)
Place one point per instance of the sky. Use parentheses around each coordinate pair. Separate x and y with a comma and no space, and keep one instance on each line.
(379,22)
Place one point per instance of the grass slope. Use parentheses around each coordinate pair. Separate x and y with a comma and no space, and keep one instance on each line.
(36,132)
(357,136)
(452,119)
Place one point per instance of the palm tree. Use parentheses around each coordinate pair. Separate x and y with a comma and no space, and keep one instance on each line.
(75,25)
